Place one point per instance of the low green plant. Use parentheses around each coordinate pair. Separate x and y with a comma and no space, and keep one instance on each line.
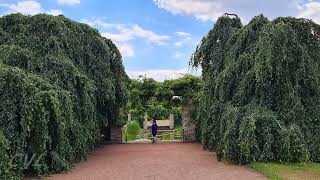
(178,130)
(166,137)
(133,129)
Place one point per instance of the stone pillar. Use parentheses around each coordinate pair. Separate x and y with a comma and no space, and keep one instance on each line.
(124,134)
(187,124)
(145,123)
(129,117)
(171,121)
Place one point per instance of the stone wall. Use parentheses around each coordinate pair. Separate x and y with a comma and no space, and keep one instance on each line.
(187,124)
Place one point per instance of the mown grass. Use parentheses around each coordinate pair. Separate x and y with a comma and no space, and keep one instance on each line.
(288,171)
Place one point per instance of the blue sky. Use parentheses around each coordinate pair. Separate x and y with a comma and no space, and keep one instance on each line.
(157,37)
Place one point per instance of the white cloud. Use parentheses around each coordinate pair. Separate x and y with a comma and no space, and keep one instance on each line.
(178,55)
(120,37)
(120,40)
(24,7)
(178,43)
(163,74)
(126,50)
(310,10)
(212,9)
(90,23)
(68,2)
(29,7)
(54,12)
(103,24)
(181,33)
(126,32)
(147,34)
(135,31)
(129,33)
(203,10)
(123,34)
(186,36)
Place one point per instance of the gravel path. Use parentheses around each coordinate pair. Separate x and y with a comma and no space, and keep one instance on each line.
(171,161)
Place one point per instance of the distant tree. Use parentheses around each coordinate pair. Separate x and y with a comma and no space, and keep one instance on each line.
(155,98)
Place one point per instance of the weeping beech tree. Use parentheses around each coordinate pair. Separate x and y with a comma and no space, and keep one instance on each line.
(261,94)
(61,86)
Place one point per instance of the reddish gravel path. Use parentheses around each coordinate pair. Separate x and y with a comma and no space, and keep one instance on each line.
(185,161)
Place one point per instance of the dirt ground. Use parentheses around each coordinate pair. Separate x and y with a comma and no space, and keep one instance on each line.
(174,161)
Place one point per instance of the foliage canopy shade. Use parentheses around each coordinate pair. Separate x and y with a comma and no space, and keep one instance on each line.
(61,86)
(261,94)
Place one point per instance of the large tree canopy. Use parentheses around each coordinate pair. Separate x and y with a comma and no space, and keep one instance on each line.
(261,94)
(61,85)
(155,99)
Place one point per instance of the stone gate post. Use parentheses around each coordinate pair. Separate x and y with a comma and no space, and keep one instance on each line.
(145,123)
(171,121)
(129,117)
(187,124)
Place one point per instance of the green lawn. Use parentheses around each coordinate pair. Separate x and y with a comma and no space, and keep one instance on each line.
(290,171)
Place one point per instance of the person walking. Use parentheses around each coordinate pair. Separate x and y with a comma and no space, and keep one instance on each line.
(154,130)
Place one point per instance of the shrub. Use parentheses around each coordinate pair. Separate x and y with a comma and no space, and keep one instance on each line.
(133,130)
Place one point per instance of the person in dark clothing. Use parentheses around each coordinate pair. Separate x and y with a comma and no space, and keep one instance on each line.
(154,130)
